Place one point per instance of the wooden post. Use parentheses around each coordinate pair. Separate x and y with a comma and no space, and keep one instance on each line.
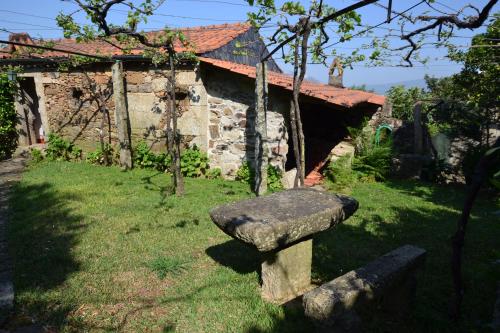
(121,116)
(417,125)
(261,151)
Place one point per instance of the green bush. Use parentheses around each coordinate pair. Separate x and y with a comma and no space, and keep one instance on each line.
(8,118)
(97,156)
(340,173)
(246,174)
(59,149)
(145,158)
(36,155)
(214,173)
(371,162)
(194,162)
(374,163)
(274,179)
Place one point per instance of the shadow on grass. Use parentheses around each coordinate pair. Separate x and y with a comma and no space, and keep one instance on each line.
(42,232)
(239,257)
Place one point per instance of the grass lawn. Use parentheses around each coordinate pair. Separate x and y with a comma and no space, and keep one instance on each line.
(97,249)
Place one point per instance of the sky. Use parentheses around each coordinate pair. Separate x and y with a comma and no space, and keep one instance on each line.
(37,17)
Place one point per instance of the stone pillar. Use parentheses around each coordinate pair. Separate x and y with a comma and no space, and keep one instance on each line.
(121,116)
(286,274)
(261,152)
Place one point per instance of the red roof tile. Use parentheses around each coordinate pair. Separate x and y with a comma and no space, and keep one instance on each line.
(201,39)
(339,96)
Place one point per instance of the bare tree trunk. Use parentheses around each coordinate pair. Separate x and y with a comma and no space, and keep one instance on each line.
(121,116)
(176,152)
(294,109)
(261,152)
(478,177)
(298,77)
(101,136)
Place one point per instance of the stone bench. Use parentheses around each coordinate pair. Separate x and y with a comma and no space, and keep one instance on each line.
(388,282)
(281,226)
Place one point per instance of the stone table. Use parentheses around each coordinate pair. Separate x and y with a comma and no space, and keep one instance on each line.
(281,226)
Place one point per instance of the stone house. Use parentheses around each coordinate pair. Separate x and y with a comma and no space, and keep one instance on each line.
(216,98)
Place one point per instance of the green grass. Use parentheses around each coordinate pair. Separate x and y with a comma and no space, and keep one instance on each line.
(101,250)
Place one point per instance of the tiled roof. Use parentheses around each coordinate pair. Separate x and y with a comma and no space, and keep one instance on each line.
(201,39)
(339,96)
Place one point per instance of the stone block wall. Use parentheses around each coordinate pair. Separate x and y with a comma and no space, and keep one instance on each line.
(231,138)
(71,100)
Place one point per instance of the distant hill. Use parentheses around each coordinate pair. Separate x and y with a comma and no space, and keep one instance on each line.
(382,88)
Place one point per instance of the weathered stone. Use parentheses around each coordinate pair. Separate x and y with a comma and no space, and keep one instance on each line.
(242,123)
(228,112)
(286,274)
(159,85)
(139,88)
(134,77)
(214,100)
(214,131)
(102,79)
(280,219)
(343,148)
(288,179)
(390,278)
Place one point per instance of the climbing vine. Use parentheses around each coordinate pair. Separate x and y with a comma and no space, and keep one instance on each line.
(8,117)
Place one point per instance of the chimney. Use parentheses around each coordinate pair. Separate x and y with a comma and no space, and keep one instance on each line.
(22,37)
(336,80)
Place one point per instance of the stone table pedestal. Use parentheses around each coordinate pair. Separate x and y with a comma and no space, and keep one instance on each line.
(286,274)
(281,226)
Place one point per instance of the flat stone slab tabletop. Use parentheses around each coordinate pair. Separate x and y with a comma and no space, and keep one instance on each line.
(276,221)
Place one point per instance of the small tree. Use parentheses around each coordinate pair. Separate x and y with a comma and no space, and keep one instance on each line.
(8,117)
(159,47)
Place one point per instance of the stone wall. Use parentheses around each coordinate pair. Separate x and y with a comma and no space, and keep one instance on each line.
(71,101)
(215,109)
(231,131)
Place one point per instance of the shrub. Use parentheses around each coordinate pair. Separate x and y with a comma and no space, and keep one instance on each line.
(8,118)
(274,179)
(36,155)
(340,173)
(97,156)
(246,174)
(374,163)
(371,163)
(214,173)
(194,162)
(59,149)
(145,158)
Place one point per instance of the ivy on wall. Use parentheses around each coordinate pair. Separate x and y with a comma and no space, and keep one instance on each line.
(8,117)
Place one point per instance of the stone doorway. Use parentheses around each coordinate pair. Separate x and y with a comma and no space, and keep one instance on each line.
(31,128)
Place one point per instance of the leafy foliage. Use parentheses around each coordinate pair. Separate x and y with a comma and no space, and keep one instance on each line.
(403,101)
(36,155)
(274,178)
(145,158)
(97,156)
(8,117)
(215,173)
(194,162)
(371,162)
(59,149)
(246,174)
